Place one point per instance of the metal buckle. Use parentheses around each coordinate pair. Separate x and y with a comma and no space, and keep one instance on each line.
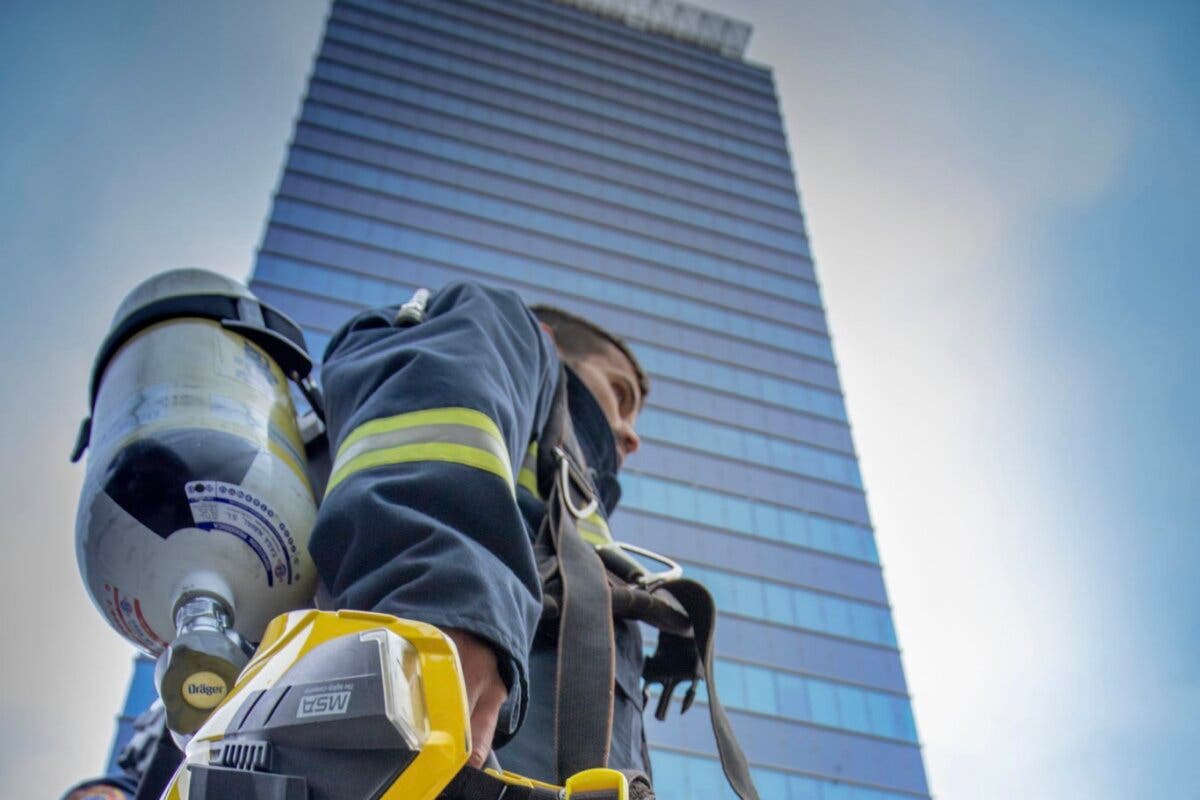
(569,473)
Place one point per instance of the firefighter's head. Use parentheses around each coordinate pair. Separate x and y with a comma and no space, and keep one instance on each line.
(606,366)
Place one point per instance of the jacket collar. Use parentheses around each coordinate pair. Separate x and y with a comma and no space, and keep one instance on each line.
(596,440)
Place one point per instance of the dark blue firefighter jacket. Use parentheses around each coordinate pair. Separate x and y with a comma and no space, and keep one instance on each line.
(424,516)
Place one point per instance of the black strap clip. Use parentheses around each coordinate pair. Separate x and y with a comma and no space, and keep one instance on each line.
(664,700)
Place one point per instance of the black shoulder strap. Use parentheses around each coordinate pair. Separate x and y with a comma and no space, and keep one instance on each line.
(586,649)
(585,595)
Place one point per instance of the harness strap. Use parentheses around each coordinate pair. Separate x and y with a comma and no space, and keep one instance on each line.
(657,610)
(271,330)
(681,658)
(571,571)
(586,646)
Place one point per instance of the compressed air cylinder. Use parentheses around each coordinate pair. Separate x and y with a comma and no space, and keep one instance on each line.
(196,495)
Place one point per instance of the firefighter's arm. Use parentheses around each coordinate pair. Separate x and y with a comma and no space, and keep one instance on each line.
(420,518)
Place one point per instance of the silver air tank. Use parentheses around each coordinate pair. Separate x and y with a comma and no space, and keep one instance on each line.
(193,526)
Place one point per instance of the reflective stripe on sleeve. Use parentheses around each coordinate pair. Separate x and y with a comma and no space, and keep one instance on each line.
(594,529)
(528,474)
(456,435)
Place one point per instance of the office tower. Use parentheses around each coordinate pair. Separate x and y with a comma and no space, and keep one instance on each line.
(622,160)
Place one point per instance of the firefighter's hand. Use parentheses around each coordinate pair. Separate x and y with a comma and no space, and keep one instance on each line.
(485,690)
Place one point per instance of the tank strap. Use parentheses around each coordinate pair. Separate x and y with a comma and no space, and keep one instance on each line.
(266,327)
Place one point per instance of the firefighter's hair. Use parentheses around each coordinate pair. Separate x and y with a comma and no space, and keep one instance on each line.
(577,338)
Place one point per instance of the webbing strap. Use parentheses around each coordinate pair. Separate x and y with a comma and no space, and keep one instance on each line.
(669,666)
(656,610)
(586,645)
(683,610)
(458,435)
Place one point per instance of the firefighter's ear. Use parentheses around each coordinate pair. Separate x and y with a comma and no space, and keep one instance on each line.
(563,357)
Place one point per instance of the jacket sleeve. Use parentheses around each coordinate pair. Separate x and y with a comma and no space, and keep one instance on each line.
(427,423)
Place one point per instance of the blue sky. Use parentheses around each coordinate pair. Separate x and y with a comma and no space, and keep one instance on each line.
(1002,201)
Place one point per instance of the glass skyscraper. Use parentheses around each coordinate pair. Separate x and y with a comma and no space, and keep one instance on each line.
(621,160)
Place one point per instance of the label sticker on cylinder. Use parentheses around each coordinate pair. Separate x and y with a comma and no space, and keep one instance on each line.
(126,615)
(203,690)
(228,508)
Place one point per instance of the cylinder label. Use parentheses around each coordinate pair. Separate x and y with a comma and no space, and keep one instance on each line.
(228,508)
(203,690)
(126,615)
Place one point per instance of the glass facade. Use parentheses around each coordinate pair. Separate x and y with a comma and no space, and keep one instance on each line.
(643,182)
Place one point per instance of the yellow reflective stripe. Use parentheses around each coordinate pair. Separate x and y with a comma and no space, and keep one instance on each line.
(454,453)
(426,434)
(456,435)
(594,529)
(430,416)
(528,474)
(529,481)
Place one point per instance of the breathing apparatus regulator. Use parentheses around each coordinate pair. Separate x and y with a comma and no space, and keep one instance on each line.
(193,524)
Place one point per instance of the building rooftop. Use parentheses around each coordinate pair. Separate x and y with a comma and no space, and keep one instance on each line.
(682,21)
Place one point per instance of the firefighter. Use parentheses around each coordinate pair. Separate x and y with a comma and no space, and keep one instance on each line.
(432,503)
(476,444)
